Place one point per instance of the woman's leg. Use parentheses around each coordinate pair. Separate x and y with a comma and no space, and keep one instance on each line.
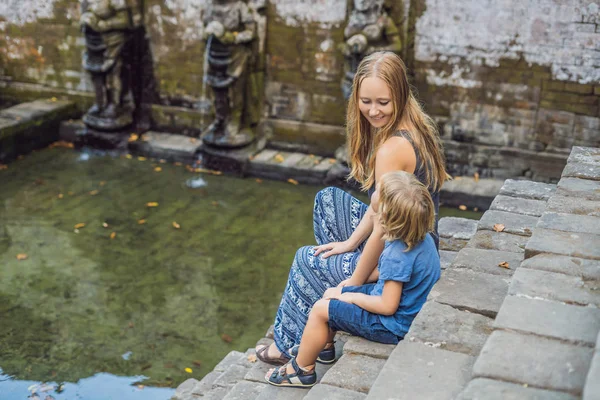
(336,215)
(309,277)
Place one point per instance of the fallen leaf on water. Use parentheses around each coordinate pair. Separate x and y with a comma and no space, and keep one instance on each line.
(216,172)
(476,176)
(311,155)
(214,203)
(94,192)
(189,168)
(188,370)
(79,225)
(53,99)
(147,366)
(60,196)
(475,209)
(176,225)
(157,169)
(70,193)
(279,158)
(105,225)
(113,235)
(141,221)
(3,166)
(504,264)
(498,227)
(130,324)
(152,204)
(133,137)
(141,158)
(226,338)
(129,156)
(462,207)
(292,181)
(169,365)
(178,164)
(141,386)
(21,256)
(197,363)
(258,180)
(252,358)
(102,183)
(162,161)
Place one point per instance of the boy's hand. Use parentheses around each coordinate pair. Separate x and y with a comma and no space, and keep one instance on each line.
(347,297)
(332,293)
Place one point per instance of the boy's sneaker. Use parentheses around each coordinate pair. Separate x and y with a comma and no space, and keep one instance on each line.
(326,356)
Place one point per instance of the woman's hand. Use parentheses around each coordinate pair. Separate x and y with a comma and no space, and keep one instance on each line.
(332,293)
(332,248)
(345,297)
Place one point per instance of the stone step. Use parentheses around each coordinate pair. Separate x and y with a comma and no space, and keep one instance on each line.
(283,165)
(501,241)
(354,372)
(328,392)
(487,261)
(588,270)
(580,188)
(518,205)
(244,390)
(527,189)
(489,389)
(516,224)
(591,390)
(570,223)
(575,244)
(455,232)
(446,258)
(417,371)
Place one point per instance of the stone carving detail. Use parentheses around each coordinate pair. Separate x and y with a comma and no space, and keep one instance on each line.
(117,56)
(231,32)
(369,29)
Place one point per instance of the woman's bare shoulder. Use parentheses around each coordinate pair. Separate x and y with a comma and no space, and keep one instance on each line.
(395,146)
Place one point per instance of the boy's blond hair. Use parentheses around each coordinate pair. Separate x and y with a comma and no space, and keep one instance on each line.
(406,210)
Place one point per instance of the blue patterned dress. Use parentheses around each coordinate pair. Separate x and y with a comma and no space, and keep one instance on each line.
(336,215)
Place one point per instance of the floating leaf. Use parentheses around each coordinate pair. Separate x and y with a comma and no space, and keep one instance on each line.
(140,158)
(498,227)
(102,183)
(279,158)
(216,172)
(258,180)
(475,209)
(60,196)
(226,338)
(292,181)
(133,137)
(94,192)
(462,207)
(214,203)
(197,363)
(311,155)
(3,166)
(152,204)
(53,99)
(79,225)
(252,358)
(141,221)
(130,324)
(176,225)
(141,387)
(188,370)
(476,176)
(162,161)
(105,225)
(21,256)
(147,366)
(157,169)
(504,264)
(129,156)
(113,235)
(177,164)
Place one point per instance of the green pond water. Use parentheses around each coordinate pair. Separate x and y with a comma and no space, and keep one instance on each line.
(124,317)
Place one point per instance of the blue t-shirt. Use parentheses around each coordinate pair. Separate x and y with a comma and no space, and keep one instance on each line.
(418,269)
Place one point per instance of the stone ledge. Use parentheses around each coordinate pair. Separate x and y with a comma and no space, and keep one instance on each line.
(446,258)
(489,240)
(457,228)
(416,371)
(354,372)
(573,205)
(321,392)
(358,345)
(551,286)
(586,155)
(581,188)
(476,292)
(583,245)
(570,222)
(579,325)
(581,170)
(489,389)
(245,390)
(487,261)
(513,223)
(518,205)
(535,361)
(588,270)
(527,189)
(167,146)
(591,390)
(441,326)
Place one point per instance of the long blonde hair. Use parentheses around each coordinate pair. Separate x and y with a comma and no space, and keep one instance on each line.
(364,140)
(406,210)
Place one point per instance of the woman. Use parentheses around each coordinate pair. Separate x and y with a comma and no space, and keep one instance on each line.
(387,130)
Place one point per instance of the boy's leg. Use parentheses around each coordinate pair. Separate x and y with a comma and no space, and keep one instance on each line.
(316,334)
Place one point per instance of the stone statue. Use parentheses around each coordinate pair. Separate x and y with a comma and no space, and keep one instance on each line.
(109,27)
(230,30)
(369,29)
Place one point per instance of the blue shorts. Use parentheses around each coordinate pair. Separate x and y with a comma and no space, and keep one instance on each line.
(356,321)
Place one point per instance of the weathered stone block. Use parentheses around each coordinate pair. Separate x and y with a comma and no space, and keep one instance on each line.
(586,269)
(232,358)
(473,291)
(216,393)
(277,393)
(446,258)
(457,228)
(167,146)
(551,286)
(489,389)
(244,390)
(450,244)
(527,189)
(518,205)
(358,345)
(354,372)
(548,318)
(582,188)
(184,389)
(570,222)
(416,371)
(517,224)
(584,245)
(501,241)
(442,326)
(581,170)
(206,384)
(533,360)
(487,261)
(573,205)
(586,155)
(591,390)
(231,376)
(320,392)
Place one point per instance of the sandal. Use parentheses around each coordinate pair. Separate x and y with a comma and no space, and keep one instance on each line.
(300,378)
(326,356)
(263,355)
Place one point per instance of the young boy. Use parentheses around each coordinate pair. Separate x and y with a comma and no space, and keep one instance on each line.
(408,268)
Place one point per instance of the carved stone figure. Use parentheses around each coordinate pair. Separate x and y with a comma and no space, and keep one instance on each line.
(230,30)
(369,29)
(114,35)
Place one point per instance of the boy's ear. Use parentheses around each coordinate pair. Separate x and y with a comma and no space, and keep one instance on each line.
(375,201)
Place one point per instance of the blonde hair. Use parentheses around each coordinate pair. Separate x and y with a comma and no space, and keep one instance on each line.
(364,140)
(406,210)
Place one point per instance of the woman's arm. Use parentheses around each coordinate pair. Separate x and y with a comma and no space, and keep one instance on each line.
(362,231)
